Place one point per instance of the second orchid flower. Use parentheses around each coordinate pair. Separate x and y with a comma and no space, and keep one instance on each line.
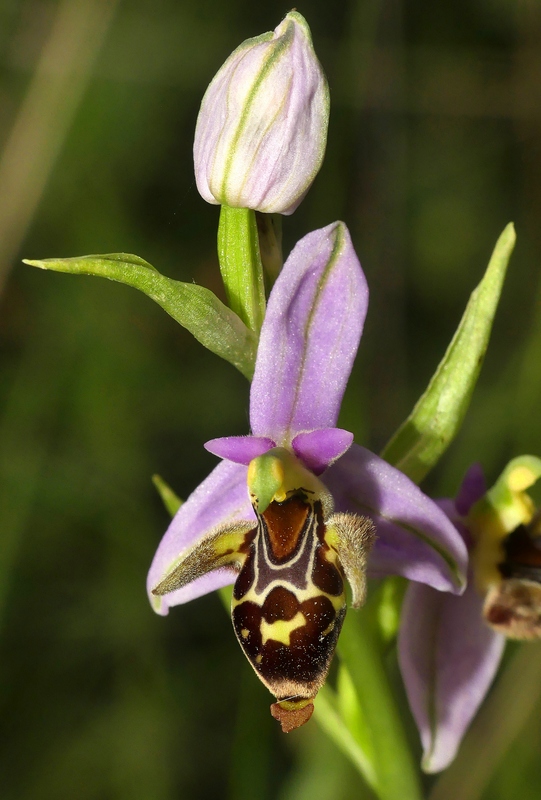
(450,647)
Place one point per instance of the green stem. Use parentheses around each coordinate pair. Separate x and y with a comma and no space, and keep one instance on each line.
(240,265)
(396,773)
(331,722)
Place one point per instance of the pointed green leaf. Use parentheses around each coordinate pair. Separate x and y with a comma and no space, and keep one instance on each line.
(170,499)
(425,435)
(197,309)
(240,265)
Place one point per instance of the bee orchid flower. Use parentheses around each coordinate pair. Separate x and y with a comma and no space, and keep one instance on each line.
(450,647)
(292,508)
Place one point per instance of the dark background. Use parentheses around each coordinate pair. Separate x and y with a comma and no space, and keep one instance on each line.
(434,145)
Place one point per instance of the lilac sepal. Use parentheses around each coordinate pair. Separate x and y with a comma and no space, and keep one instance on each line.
(319,449)
(310,336)
(448,658)
(473,487)
(221,498)
(414,536)
(240,449)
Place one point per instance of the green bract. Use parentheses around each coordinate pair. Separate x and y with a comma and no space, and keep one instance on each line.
(194,307)
(425,435)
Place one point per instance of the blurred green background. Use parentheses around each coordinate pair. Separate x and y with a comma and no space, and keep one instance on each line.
(434,145)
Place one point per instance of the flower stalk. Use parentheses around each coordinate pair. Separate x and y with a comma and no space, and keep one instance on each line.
(241,266)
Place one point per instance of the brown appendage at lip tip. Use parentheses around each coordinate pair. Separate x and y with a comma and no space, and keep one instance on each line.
(291,719)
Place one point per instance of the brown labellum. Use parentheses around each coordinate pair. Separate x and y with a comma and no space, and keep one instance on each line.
(287,612)
(289,600)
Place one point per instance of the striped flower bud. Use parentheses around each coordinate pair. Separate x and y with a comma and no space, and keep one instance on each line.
(262,127)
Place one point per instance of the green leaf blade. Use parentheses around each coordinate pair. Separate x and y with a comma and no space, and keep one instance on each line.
(422,439)
(170,499)
(194,307)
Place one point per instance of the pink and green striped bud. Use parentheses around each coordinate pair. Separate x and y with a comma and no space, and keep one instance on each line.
(262,127)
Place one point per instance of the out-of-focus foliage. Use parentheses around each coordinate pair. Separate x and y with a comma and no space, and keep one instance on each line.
(433,148)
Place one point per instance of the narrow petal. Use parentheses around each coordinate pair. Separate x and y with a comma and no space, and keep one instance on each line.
(240,449)
(319,449)
(473,487)
(309,337)
(221,498)
(448,658)
(414,536)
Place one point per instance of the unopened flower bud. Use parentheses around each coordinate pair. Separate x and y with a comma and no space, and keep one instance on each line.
(262,128)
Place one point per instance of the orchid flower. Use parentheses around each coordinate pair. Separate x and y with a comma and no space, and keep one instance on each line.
(450,647)
(291,508)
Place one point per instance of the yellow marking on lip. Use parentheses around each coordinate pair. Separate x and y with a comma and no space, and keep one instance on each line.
(292,705)
(328,629)
(338,601)
(281,630)
(245,633)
